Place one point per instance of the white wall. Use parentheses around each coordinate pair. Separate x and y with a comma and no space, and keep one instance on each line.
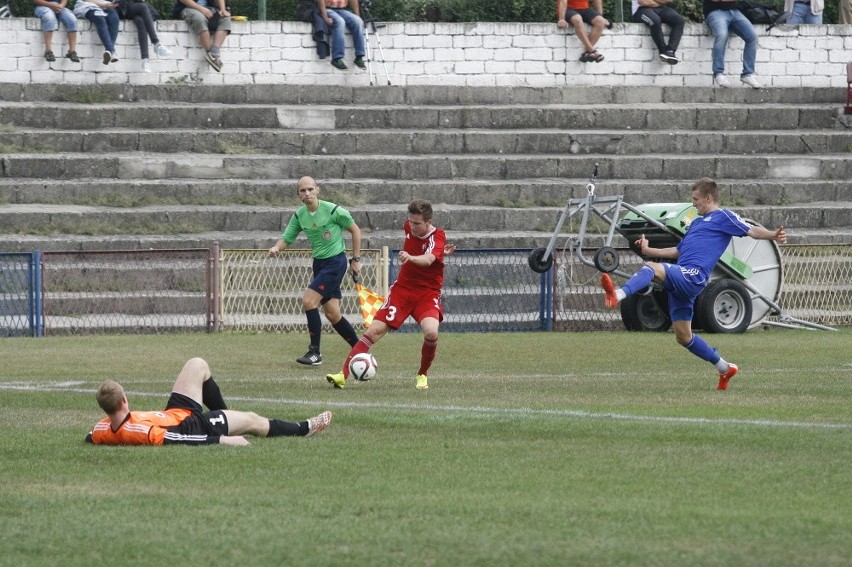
(475,54)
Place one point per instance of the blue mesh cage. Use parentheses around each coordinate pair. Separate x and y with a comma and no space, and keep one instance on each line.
(20,306)
(490,290)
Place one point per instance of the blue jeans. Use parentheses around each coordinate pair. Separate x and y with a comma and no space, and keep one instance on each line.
(50,19)
(801,14)
(107,27)
(721,22)
(355,24)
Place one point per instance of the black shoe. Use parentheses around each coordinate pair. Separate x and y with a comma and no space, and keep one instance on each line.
(669,57)
(49,56)
(72,55)
(339,64)
(359,62)
(214,61)
(311,358)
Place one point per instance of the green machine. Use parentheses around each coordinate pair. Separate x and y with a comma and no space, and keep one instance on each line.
(744,287)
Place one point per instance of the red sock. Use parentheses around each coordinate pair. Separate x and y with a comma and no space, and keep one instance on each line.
(427,355)
(363,345)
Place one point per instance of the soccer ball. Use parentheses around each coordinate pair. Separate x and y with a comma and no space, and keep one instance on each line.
(362,366)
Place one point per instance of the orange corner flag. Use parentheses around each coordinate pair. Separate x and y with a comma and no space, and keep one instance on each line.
(369,301)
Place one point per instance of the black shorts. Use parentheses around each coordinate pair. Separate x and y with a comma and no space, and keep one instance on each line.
(199,422)
(328,274)
(588,14)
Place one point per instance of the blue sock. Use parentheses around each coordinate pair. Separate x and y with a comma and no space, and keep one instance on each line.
(314,328)
(639,281)
(702,350)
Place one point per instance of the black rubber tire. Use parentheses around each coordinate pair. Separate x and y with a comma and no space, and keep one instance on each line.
(645,313)
(724,307)
(536,263)
(606,259)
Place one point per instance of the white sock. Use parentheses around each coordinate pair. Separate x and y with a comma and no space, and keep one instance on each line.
(619,294)
(722,366)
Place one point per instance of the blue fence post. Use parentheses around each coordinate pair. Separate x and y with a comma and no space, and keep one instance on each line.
(545,307)
(36,323)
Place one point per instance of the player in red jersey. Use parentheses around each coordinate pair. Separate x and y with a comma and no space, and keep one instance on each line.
(184,421)
(416,291)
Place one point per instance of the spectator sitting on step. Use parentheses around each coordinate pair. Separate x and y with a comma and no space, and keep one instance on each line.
(51,13)
(211,23)
(577,12)
(105,18)
(143,15)
(337,17)
(844,12)
(722,17)
(655,13)
(803,12)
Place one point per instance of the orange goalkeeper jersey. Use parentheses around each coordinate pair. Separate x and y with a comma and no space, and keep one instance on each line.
(148,428)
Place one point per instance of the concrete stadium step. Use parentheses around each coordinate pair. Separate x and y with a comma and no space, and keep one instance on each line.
(133,166)
(674,116)
(638,116)
(261,240)
(70,219)
(423,141)
(553,192)
(413,95)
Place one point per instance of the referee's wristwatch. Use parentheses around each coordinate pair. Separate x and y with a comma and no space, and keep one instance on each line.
(355,259)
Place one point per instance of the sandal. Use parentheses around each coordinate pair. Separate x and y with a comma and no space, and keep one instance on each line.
(596,57)
(587,57)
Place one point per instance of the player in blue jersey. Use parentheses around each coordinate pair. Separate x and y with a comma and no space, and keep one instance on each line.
(703,244)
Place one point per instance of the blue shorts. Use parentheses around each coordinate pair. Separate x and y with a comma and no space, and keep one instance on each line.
(682,286)
(328,274)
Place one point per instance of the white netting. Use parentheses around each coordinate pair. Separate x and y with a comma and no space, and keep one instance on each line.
(817,283)
(262,293)
(817,288)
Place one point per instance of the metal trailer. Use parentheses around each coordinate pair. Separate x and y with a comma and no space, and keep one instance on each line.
(744,287)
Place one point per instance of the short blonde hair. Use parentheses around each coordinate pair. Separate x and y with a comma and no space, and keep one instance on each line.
(109,396)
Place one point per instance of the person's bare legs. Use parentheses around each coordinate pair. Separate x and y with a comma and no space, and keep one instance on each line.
(190,381)
(48,41)
(204,39)
(219,38)
(331,308)
(598,25)
(580,31)
(72,41)
(246,423)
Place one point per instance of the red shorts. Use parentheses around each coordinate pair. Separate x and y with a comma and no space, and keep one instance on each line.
(401,302)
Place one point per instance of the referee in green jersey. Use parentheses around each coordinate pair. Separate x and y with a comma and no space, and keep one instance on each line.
(323,223)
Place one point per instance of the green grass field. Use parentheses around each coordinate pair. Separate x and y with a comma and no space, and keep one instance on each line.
(528,449)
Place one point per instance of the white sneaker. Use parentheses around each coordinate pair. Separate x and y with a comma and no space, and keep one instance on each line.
(107,57)
(161,51)
(319,423)
(751,81)
(113,57)
(721,80)
(146,67)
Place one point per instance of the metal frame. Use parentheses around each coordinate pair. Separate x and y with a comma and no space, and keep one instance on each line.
(372,27)
(609,209)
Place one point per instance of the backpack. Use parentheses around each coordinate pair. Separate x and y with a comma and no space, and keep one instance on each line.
(305,11)
(758,13)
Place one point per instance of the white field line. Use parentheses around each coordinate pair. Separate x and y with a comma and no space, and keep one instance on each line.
(73,387)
